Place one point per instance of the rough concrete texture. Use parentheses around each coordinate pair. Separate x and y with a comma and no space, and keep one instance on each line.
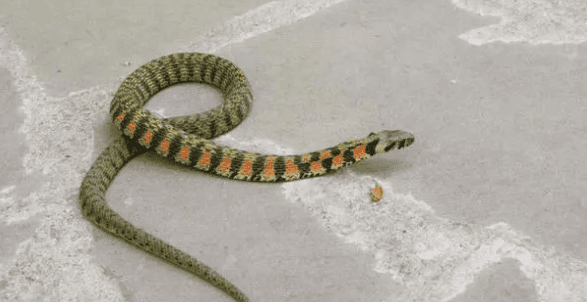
(487,205)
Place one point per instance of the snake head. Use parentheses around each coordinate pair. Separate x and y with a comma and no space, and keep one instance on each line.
(388,140)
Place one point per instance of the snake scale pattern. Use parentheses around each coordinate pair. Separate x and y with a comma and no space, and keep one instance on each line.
(186,140)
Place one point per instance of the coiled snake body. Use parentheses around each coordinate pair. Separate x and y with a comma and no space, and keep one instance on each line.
(185,140)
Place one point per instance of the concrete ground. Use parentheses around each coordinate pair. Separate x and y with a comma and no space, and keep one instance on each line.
(487,205)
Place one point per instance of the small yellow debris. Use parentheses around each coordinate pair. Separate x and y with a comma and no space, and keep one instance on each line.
(376,193)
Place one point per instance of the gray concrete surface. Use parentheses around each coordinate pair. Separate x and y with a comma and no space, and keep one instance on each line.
(487,205)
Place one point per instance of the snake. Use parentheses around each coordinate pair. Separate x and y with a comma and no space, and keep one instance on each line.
(187,140)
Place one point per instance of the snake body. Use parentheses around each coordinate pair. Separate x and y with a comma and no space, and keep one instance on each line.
(186,140)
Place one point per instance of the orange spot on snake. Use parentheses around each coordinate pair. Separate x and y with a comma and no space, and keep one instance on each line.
(359,152)
(305,157)
(120,118)
(184,154)
(247,167)
(291,170)
(164,147)
(325,154)
(131,127)
(205,159)
(225,164)
(269,171)
(148,136)
(337,161)
(316,167)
